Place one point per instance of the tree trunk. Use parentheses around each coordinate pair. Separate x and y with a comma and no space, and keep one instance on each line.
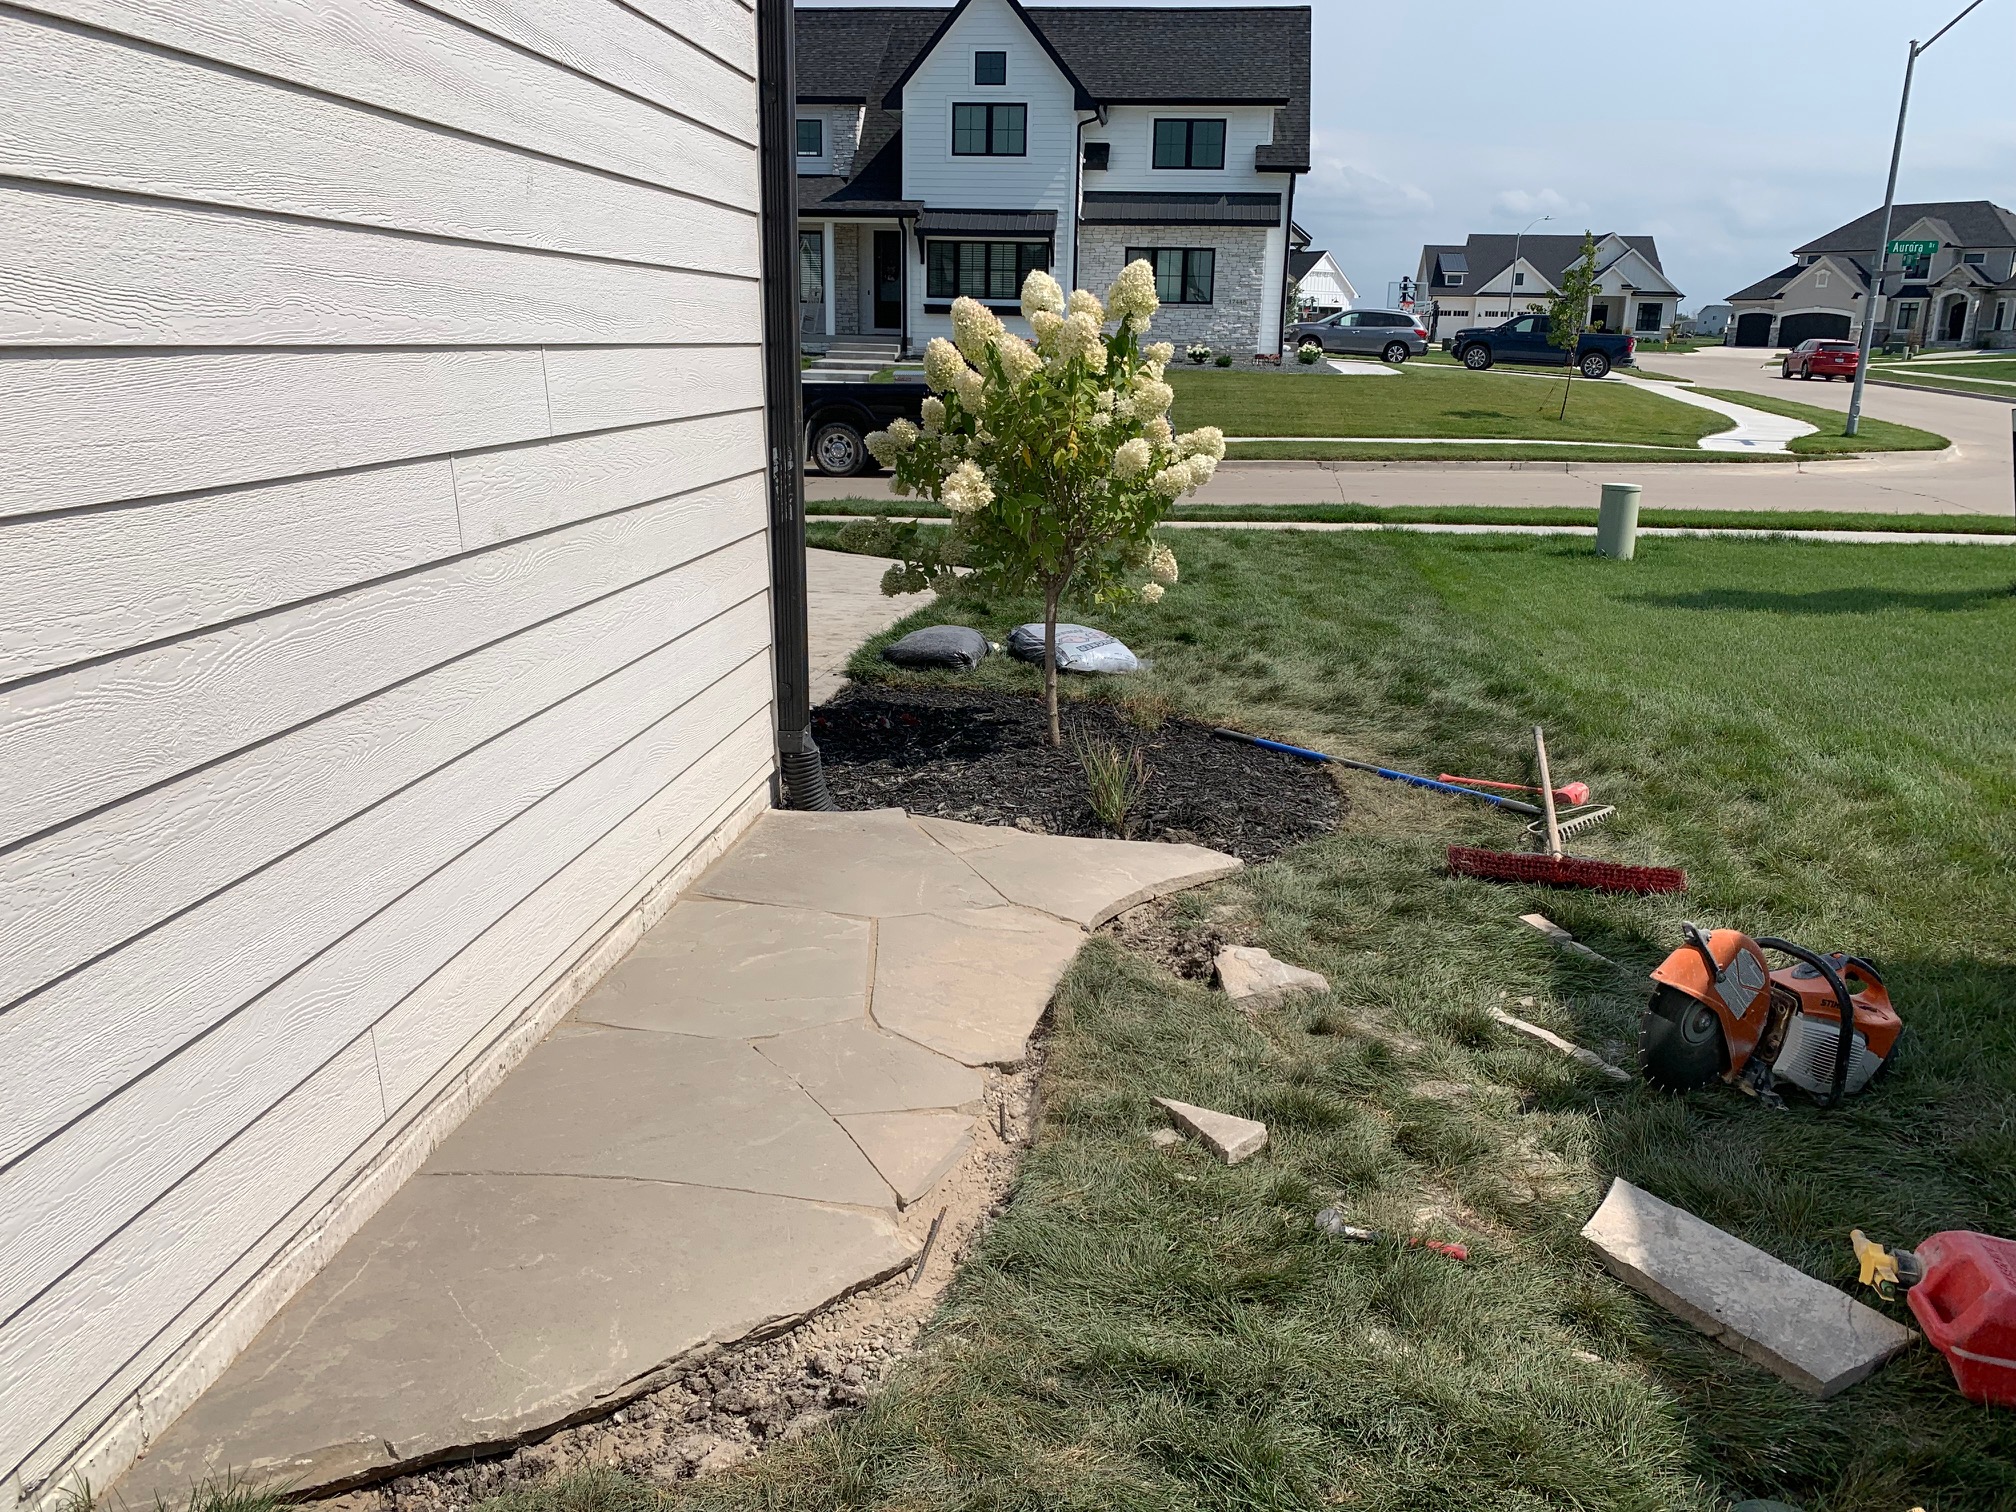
(1050,661)
(1570,384)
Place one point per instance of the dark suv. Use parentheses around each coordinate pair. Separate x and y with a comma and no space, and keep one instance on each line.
(1392,335)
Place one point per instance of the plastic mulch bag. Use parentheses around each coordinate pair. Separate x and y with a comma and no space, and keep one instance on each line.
(1079,649)
(953,646)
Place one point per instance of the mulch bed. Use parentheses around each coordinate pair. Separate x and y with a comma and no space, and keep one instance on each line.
(958,753)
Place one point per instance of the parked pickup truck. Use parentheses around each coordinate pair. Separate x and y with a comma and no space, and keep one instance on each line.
(839,415)
(1524,339)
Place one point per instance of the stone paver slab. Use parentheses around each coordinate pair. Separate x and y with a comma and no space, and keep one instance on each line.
(737,971)
(857,1068)
(1085,881)
(912,1150)
(973,983)
(474,1308)
(1231,1138)
(869,864)
(1801,1329)
(660,1107)
(1253,979)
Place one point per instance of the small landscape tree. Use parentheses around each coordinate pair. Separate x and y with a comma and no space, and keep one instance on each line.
(1570,317)
(1056,459)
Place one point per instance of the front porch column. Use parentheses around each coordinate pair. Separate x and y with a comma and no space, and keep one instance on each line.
(826,231)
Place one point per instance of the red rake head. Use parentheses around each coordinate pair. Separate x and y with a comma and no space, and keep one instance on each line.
(1569,871)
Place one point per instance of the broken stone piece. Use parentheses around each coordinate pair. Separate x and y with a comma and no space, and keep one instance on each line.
(1588,1058)
(1231,1139)
(1163,1138)
(1254,980)
(1561,938)
(1804,1331)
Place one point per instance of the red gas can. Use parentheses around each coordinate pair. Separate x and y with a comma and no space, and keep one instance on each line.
(1966,1304)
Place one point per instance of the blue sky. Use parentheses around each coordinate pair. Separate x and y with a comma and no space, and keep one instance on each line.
(1731,131)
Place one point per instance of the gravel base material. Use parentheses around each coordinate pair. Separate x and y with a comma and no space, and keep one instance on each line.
(957,753)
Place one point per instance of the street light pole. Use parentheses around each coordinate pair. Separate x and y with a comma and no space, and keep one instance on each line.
(1513,272)
(1889,207)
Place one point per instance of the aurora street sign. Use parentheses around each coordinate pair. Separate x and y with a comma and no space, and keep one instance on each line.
(1913,248)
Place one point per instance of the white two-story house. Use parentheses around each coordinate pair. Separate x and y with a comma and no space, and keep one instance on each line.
(947,152)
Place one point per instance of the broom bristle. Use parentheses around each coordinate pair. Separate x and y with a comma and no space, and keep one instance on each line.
(1568,871)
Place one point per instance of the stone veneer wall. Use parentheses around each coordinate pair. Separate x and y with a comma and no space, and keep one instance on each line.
(847,278)
(1231,322)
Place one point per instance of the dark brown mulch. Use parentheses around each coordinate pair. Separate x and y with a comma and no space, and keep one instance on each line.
(959,753)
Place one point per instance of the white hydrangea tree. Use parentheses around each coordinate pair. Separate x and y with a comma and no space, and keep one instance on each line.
(1056,459)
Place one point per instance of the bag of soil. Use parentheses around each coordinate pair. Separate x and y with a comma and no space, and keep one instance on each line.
(1079,649)
(952,646)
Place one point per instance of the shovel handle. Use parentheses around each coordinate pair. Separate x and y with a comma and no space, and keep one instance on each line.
(1547,793)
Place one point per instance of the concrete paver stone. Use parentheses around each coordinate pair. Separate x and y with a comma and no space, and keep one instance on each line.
(1085,881)
(911,1150)
(970,983)
(694,1111)
(1808,1333)
(472,1309)
(1231,1138)
(857,1068)
(1253,979)
(865,864)
(736,971)
(1568,1048)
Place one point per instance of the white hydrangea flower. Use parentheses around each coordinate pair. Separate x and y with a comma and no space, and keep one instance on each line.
(1085,302)
(1151,593)
(972,389)
(943,365)
(1132,298)
(1172,480)
(1162,565)
(1046,324)
(934,415)
(966,491)
(974,328)
(1041,294)
(902,434)
(1205,441)
(1131,458)
(1103,401)
(1158,430)
(1154,370)
(1202,467)
(1162,353)
(1082,338)
(1018,359)
(1152,397)
(881,446)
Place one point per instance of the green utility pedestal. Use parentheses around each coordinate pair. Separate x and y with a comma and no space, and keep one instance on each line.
(1617,521)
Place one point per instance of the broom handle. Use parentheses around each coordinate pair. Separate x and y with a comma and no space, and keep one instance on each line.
(1547,794)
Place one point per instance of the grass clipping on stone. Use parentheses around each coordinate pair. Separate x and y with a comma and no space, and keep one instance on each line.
(1819,733)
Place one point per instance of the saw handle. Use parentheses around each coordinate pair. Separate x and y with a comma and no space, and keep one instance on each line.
(1846,1046)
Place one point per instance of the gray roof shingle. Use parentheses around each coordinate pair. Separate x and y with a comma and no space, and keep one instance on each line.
(1975,223)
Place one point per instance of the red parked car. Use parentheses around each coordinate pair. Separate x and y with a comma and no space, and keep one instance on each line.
(1820,358)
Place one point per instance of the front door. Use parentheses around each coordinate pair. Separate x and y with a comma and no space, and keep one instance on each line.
(1956,319)
(888,280)
(1599,315)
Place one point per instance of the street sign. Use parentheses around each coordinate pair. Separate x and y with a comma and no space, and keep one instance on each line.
(1913,248)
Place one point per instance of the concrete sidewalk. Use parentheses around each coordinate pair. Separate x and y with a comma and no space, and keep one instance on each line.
(717,1142)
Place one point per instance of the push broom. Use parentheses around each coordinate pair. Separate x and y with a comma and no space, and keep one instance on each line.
(1555,869)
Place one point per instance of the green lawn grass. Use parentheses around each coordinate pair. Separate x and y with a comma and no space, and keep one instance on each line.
(1820,734)
(1479,514)
(1421,404)
(1874,436)
(1966,376)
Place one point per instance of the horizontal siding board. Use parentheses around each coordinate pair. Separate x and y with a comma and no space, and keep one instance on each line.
(94,734)
(621,47)
(71,1193)
(85,269)
(142,1002)
(80,108)
(90,428)
(86,888)
(595,387)
(726,28)
(406,59)
(159,1256)
(522,489)
(79,585)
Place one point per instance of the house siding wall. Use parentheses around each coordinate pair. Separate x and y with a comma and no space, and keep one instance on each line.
(384,634)
(1233,321)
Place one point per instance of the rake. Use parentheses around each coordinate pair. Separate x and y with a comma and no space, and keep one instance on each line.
(1554,869)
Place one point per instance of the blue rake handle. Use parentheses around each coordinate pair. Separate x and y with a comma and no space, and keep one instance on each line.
(1511,805)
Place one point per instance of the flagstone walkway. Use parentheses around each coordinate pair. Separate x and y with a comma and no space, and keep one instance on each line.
(715,1143)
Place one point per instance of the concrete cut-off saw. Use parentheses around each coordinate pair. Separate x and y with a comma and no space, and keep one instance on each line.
(1720,1011)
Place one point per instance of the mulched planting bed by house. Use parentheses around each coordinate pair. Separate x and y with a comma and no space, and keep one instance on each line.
(957,753)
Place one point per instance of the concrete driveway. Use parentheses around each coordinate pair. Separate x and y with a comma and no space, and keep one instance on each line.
(1973,477)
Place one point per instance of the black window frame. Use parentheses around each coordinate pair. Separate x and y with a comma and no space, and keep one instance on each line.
(1189,125)
(1656,308)
(991,110)
(1186,274)
(990,54)
(1027,256)
(817,125)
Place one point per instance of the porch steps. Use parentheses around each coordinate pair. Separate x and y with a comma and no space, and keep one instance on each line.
(852,360)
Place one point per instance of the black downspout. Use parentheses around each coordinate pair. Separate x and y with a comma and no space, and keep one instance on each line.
(804,780)
(1287,263)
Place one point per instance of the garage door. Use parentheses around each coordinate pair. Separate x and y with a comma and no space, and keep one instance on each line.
(1794,329)
(1754,329)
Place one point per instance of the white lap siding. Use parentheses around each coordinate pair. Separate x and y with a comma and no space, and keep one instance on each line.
(384,627)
